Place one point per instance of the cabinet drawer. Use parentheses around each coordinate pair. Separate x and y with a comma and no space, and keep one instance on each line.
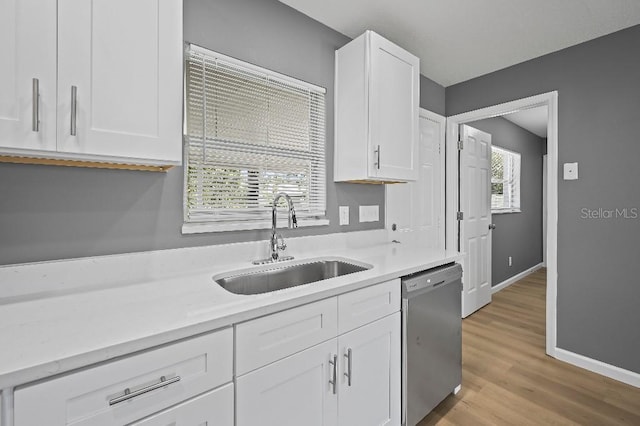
(267,339)
(98,396)
(212,408)
(361,307)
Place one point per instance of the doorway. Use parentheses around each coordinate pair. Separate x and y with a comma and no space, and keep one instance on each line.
(550,100)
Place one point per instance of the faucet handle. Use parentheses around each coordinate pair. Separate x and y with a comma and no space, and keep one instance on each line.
(280,242)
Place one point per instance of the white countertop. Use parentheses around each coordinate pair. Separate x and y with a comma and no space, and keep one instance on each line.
(61,330)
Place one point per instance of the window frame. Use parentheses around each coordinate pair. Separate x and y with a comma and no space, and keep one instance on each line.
(517,182)
(260,219)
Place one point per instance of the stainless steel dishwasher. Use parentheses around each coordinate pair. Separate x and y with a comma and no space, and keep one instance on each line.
(432,339)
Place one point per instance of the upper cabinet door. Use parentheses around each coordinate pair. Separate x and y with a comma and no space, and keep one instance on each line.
(120,79)
(376,112)
(393,110)
(28,52)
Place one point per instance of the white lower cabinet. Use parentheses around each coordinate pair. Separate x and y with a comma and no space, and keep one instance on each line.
(369,373)
(273,337)
(132,388)
(332,362)
(212,408)
(293,391)
(353,379)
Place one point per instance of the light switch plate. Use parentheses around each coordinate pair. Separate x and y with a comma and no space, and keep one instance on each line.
(369,213)
(570,171)
(344,215)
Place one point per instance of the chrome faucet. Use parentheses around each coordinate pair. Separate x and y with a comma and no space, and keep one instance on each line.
(276,243)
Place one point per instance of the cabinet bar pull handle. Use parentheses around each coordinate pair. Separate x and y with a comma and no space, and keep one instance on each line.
(334,375)
(74,109)
(35,116)
(377,163)
(128,394)
(348,372)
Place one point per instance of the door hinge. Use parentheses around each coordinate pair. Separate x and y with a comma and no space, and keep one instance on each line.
(460,145)
(459,216)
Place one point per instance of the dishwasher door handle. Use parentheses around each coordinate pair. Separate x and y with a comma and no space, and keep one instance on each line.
(411,294)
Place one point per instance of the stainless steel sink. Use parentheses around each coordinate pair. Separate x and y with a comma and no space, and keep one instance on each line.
(277,277)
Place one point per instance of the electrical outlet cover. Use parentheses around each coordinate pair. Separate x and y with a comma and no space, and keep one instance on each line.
(344,215)
(570,171)
(369,213)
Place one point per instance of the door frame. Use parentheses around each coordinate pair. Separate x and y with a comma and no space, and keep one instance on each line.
(550,100)
(442,121)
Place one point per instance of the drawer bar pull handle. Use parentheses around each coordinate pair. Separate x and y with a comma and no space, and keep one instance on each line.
(74,110)
(128,394)
(35,115)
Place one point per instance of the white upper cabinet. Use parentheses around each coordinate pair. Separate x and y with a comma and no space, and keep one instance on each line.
(118,77)
(28,74)
(376,111)
(125,60)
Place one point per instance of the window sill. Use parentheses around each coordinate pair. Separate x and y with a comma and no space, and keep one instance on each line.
(503,211)
(204,227)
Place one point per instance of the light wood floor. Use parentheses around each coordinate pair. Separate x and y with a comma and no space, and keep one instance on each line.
(508,380)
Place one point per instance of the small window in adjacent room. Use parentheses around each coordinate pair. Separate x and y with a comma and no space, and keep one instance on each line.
(250,133)
(505,181)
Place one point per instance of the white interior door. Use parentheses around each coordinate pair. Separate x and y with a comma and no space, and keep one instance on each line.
(417,208)
(475,205)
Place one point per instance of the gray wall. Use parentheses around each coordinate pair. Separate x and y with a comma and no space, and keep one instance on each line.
(432,95)
(518,235)
(51,212)
(599,108)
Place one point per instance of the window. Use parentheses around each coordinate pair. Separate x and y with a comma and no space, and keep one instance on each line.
(250,133)
(505,181)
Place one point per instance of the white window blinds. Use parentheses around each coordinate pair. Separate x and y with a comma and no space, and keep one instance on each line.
(250,134)
(505,181)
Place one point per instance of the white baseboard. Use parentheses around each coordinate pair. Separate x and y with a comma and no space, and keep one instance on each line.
(599,367)
(506,283)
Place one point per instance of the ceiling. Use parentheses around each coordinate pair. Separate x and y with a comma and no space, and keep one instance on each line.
(457,40)
(533,120)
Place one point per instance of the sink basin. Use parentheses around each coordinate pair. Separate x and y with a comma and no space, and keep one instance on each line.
(280,276)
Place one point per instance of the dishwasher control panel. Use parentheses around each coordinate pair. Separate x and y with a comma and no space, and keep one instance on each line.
(431,278)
